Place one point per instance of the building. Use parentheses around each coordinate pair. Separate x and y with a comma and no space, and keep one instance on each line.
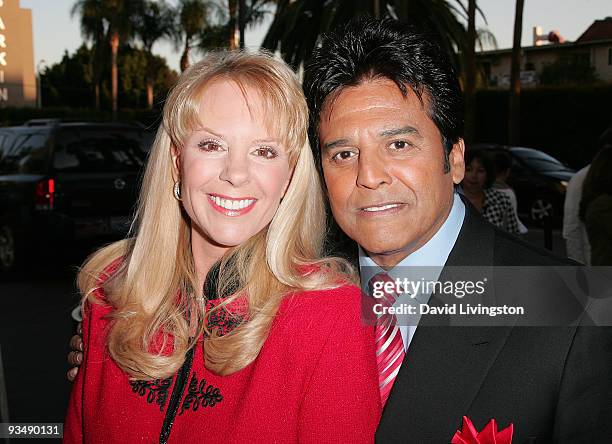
(593,47)
(17,78)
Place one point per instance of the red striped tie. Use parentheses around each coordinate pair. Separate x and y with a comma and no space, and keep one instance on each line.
(389,345)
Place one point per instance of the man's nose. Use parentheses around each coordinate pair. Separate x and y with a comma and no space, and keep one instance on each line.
(372,170)
(236,170)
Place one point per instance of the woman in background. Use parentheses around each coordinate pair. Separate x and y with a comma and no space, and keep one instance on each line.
(596,207)
(218,321)
(494,206)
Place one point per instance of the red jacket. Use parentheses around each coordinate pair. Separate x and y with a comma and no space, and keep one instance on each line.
(315,380)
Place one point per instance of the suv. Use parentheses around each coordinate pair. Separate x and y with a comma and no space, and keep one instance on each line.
(64,182)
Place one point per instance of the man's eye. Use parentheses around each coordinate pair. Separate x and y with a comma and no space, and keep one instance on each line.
(210,145)
(342,155)
(399,145)
(266,152)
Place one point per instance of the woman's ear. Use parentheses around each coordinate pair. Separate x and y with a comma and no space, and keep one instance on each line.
(176,162)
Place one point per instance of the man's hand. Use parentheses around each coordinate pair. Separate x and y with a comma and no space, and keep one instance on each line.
(75,356)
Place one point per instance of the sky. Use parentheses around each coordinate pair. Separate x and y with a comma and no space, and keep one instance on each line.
(56,31)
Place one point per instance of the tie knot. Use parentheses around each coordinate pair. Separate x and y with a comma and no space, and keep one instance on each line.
(382,287)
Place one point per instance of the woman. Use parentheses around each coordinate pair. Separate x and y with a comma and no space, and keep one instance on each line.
(272,348)
(596,207)
(503,164)
(494,205)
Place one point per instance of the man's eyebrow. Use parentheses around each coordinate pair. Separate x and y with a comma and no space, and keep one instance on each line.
(398,131)
(335,143)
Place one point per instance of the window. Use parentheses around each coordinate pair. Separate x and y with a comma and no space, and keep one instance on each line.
(99,150)
(28,153)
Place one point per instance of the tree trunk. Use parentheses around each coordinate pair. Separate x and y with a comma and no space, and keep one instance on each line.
(242,21)
(514,116)
(185,56)
(114,42)
(150,94)
(233,9)
(470,75)
(97,94)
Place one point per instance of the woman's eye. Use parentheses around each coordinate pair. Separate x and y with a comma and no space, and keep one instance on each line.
(399,145)
(342,155)
(266,152)
(210,145)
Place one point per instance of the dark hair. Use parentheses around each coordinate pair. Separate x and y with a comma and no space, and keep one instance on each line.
(502,161)
(367,48)
(486,162)
(598,180)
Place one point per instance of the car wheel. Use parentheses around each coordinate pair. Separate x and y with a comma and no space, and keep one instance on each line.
(540,209)
(8,254)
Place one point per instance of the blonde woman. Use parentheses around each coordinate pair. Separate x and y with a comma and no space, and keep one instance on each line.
(218,321)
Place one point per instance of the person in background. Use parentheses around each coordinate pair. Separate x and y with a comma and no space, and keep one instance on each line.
(218,320)
(494,205)
(576,238)
(503,165)
(596,207)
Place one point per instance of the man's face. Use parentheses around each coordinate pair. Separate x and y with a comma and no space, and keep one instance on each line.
(383,162)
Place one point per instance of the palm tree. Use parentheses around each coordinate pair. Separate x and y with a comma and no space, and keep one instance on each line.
(114,19)
(298,24)
(192,17)
(515,77)
(93,29)
(153,22)
(469,88)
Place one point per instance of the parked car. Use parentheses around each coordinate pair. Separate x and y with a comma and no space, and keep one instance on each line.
(66,182)
(538,179)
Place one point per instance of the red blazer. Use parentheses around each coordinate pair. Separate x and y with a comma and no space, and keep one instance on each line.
(315,380)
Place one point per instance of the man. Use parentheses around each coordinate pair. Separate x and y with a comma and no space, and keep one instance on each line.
(387,127)
(575,235)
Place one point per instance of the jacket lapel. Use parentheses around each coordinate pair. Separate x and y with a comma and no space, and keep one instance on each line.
(444,366)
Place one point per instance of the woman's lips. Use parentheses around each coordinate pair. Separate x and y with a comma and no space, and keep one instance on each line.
(231,207)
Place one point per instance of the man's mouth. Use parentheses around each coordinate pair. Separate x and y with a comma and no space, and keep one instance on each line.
(384,207)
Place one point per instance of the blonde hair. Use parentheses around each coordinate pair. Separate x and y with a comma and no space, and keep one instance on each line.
(155,263)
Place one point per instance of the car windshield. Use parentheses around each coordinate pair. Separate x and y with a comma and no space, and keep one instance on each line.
(538,160)
(23,151)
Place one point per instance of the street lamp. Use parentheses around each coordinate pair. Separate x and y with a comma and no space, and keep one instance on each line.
(39,84)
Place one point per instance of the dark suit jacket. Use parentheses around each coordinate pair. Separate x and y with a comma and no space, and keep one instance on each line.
(554,384)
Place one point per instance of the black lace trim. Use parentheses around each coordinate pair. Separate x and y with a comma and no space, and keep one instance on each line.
(200,395)
(155,391)
(224,321)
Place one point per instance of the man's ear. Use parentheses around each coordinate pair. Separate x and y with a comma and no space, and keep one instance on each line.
(176,162)
(455,159)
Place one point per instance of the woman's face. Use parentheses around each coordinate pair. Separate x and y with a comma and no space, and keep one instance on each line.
(475,176)
(233,169)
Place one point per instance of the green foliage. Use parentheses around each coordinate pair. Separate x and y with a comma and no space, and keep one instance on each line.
(71,82)
(298,25)
(573,70)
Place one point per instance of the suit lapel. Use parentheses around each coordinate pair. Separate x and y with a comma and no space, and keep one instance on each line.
(444,366)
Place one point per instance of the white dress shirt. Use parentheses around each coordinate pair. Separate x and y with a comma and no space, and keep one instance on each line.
(432,255)
(575,235)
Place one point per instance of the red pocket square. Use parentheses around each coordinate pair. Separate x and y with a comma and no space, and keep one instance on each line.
(489,435)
